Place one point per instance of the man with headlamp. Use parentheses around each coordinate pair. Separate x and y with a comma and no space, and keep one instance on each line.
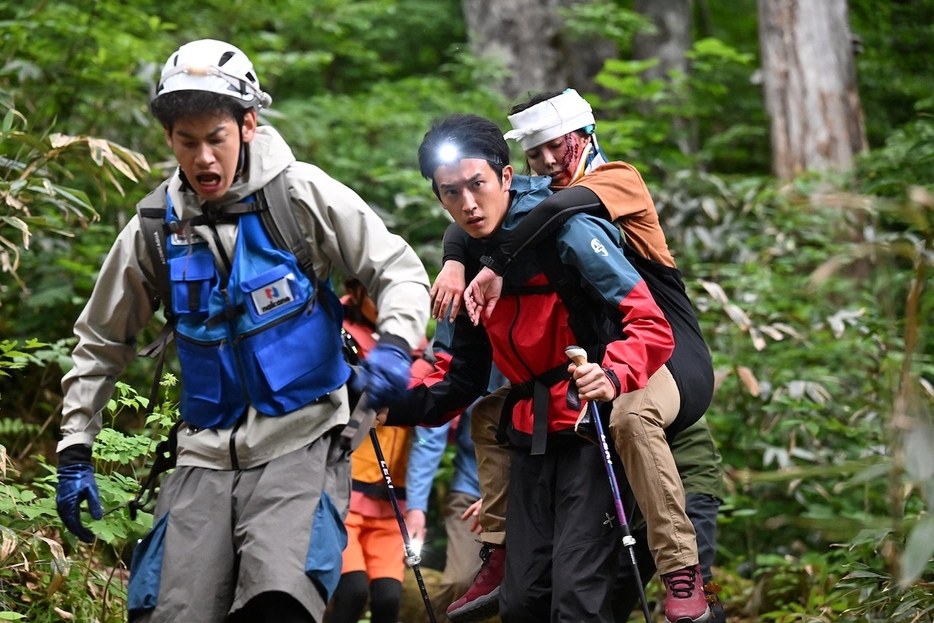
(556,130)
(562,553)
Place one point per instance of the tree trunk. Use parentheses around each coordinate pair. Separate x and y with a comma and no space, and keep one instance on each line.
(525,37)
(671,39)
(810,85)
(669,44)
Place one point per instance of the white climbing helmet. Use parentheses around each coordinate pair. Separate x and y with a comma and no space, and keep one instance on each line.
(215,66)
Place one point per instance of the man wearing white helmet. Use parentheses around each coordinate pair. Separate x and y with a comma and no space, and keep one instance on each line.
(248,527)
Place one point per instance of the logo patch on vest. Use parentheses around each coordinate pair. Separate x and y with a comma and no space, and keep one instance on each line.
(598,247)
(273,295)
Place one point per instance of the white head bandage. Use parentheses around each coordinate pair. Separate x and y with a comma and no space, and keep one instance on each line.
(550,119)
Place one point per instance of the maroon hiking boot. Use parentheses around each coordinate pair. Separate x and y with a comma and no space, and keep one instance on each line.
(481,601)
(684,599)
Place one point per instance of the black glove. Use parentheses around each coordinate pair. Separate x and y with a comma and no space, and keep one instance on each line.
(76,484)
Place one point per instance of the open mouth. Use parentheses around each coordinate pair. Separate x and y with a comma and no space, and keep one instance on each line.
(209,180)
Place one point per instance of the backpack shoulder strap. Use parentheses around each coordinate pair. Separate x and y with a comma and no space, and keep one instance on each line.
(151,211)
(590,318)
(282,226)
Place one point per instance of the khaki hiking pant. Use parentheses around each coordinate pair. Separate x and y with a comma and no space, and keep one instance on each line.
(637,428)
(493,463)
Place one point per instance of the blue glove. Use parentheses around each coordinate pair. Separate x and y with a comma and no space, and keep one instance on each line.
(76,484)
(386,372)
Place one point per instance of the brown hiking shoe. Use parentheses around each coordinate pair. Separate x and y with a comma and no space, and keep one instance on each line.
(481,601)
(684,599)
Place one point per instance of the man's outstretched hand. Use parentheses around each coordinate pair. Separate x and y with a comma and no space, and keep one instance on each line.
(447,291)
(482,294)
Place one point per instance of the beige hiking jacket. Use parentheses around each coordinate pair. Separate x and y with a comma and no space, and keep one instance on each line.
(345,234)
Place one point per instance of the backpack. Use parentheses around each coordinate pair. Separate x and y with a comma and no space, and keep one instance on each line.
(595,324)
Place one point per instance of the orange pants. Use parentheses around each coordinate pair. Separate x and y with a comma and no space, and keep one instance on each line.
(374,545)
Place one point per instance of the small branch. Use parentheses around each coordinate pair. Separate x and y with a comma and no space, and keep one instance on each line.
(22,455)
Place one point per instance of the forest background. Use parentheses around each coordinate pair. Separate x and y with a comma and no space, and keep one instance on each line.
(810,275)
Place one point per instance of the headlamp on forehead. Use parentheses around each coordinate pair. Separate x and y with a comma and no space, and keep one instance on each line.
(447,153)
(450,152)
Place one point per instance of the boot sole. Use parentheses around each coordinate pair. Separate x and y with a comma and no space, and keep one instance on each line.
(704,618)
(477,610)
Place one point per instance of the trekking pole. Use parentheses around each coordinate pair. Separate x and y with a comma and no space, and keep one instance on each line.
(411,556)
(579,356)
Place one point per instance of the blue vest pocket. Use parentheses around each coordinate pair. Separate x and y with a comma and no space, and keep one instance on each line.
(202,382)
(146,570)
(294,361)
(325,550)
(192,278)
(211,394)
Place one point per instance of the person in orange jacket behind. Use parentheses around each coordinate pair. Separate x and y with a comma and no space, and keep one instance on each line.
(374,559)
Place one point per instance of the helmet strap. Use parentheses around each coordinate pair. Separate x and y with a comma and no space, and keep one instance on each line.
(243,159)
(186,185)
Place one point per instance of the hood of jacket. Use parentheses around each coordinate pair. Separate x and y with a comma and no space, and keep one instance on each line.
(267,155)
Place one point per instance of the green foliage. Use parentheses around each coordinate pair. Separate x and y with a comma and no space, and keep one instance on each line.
(874,593)
(46,573)
(41,208)
(604,17)
(813,301)
(351,44)
(893,45)
(906,158)
(13,357)
(645,118)
(371,141)
(29,166)
(77,66)
(710,119)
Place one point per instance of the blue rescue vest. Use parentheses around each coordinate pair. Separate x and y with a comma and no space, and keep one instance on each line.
(268,336)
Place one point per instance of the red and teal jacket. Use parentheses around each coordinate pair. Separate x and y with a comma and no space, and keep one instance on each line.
(530,328)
